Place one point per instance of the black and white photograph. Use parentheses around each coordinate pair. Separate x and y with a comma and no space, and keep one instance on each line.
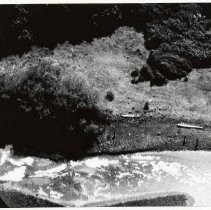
(105,104)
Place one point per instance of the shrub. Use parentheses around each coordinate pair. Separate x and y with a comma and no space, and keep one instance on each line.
(135,81)
(47,111)
(158,80)
(140,79)
(185,79)
(135,73)
(146,73)
(109,96)
(146,106)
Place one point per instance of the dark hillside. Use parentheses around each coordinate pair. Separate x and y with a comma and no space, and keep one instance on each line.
(179,30)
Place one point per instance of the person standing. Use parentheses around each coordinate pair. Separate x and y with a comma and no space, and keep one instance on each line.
(197,144)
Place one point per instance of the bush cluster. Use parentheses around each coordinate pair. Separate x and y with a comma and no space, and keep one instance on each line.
(177,36)
(109,96)
(169,64)
(47,111)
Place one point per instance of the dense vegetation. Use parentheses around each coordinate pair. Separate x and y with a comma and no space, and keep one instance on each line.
(43,109)
(178,35)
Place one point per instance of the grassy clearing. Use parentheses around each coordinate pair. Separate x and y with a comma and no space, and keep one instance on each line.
(106,65)
(181,100)
(156,129)
(169,105)
(103,65)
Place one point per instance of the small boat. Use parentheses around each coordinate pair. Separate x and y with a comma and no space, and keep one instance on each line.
(131,115)
(185,125)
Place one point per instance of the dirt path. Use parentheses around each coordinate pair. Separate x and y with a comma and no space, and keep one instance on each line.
(108,180)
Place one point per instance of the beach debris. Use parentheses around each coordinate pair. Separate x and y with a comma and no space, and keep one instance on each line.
(185,125)
(131,115)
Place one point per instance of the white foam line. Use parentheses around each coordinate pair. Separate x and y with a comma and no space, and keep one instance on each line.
(99,162)
(41,192)
(14,176)
(51,173)
(5,154)
(28,160)
(55,194)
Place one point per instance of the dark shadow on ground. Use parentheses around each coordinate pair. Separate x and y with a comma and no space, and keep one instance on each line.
(170,200)
(43,138)
(2,204)
(16,199)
